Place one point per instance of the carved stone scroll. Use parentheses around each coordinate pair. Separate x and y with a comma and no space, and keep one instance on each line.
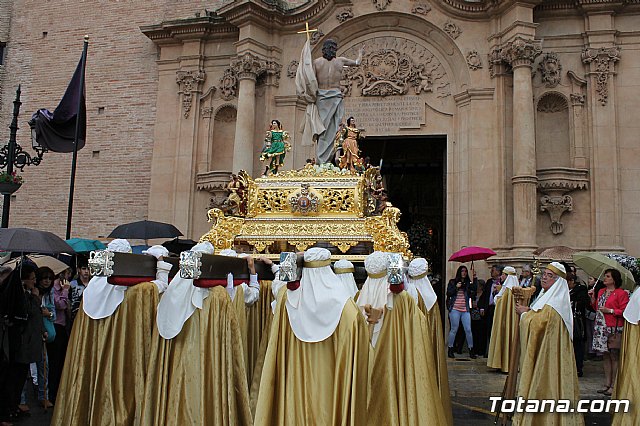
(228,84)
(602,64)
(381,4)
(344,15)
(421,9)
(189,83)
(550,69)
(452,29)
(474,60)
(292,69)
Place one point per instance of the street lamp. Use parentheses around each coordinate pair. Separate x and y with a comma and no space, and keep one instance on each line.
(12,155)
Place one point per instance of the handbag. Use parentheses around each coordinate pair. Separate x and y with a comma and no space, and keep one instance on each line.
(475,314)
(48,322)
(50,329)
(614,340)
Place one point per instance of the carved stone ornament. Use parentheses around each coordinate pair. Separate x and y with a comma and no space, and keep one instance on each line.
(316,36)
(189,83)
(421,9)
(556,206)
(215,182)
(474,60)
(602,64)
(393,66)
(520,51)
(577,99)
(550,69)
(344,15)
(452,29)
(228,84)
(496,65)
(381,4)
(248,65)
(556,183)
(552,102)
(292,69)
(272,71)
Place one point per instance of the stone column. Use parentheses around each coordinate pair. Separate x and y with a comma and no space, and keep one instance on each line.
(247,67)
(521,53)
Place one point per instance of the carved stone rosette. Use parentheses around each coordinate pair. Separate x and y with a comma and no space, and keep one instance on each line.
(381,4)
(550,69)
(602,64)
(393,66)
(474,60)
(189,82)
(520,51)
(292,69)
(556,184)
(316,36)
(344,15)
(421,9)
(452,29)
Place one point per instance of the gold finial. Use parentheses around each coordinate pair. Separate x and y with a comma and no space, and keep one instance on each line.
(307,30)
(86,37)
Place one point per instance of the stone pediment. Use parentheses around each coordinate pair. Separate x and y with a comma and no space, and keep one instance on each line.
(394,66)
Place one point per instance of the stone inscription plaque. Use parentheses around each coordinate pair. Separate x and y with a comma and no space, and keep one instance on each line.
(382,116)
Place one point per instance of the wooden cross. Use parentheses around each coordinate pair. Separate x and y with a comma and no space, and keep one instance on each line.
(307,31)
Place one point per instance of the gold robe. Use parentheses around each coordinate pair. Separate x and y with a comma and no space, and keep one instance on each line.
(436,343)
(259,318)
(241,316)
(323,383)
(198,377)
(502,332)
(628,381)
(547,368)
(105,368)
(404,390)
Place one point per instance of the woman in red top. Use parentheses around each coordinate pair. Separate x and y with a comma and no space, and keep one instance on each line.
(609,306)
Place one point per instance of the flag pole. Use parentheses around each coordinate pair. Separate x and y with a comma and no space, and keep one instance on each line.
(75,139)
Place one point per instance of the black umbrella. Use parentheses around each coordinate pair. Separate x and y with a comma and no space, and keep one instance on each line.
(178,245)
(27,240)
(145,230)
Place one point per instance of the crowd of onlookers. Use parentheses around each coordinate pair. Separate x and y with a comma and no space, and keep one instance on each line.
(597,308)
(37,309)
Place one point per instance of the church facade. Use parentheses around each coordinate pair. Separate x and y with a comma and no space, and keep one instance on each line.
(532,106)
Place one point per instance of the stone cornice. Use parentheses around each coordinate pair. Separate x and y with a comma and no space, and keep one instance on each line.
(207,27)
(272,12)
(562,178)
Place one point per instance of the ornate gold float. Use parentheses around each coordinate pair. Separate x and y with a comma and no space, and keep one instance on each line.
(297,209)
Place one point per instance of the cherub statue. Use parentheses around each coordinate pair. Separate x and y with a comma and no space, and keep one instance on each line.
(347,140)
(275,148)
(234,204)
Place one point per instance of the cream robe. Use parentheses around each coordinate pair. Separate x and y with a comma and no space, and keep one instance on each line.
(502,332)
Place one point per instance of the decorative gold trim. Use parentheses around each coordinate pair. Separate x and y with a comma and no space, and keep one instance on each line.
(557,271)
(417,277)
(344,270)
(378,275)
(317,263)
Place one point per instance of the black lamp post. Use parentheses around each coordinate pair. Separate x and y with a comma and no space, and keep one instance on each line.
(12,155)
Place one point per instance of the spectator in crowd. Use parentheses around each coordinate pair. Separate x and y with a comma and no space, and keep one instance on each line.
(488,302)
(57,349)
(459,290)
(610,303)
(526,280)
(590,315)
(479,321)
(22,343)
(44,284)
(78,285)
(578,294)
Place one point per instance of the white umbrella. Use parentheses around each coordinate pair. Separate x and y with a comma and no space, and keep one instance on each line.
(40,260)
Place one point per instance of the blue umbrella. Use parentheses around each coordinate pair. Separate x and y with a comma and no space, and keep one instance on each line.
(83,245)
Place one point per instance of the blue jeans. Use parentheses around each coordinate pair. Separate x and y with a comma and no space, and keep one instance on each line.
(43,377)
(455,317)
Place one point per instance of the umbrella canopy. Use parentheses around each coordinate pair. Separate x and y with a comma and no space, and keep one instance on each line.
(556,252)
(178,245)
(595,264)
(40,260)
(145,230)
(27,240)
(472,253)
(82,245)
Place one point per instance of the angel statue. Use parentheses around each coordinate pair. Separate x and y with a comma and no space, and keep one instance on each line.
(275,148)
(347,142)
